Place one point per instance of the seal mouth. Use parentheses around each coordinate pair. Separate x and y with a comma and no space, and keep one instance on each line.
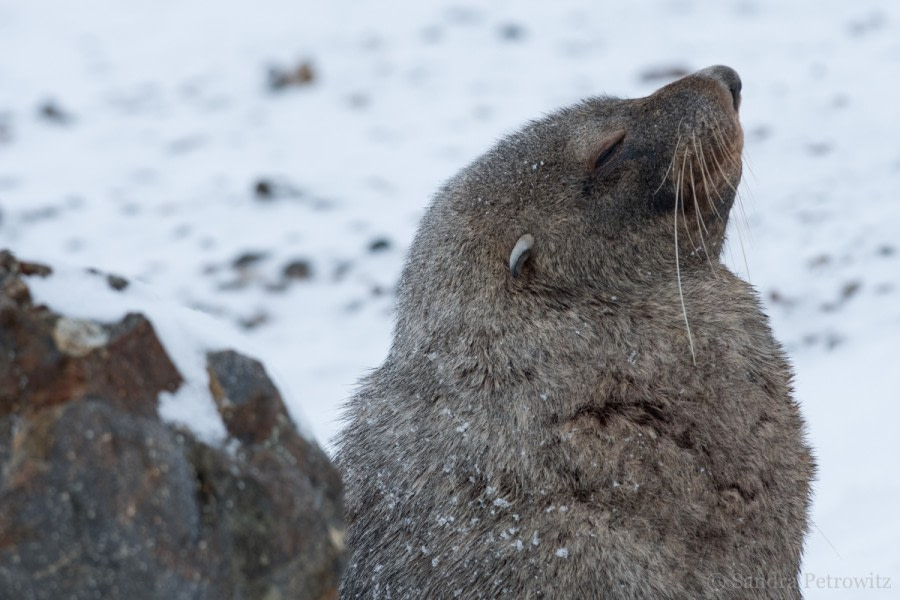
(705,170)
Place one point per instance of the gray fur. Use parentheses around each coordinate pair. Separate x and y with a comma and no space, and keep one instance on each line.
(550,436)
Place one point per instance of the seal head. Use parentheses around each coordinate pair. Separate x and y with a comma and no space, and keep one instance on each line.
(599,186)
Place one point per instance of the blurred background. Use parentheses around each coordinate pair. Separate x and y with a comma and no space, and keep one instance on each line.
(267,162)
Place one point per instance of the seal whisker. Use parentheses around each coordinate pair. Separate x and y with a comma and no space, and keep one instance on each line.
(708,178)
(721,169)
(729,158)
(687,324)
(674,157)
(679,200)
(743,219)
(739,196)
(748,191)
(681,188)
(722,147)
(722,175)
(701,226)
(747,162)
(721,150)
(744,254)
(703,168)
(708,182)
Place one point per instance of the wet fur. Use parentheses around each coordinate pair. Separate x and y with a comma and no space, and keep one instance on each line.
(561,434)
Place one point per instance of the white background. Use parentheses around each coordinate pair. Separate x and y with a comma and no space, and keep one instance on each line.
(168,123)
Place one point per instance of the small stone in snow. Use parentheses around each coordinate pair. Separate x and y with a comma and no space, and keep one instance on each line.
(248,259)
(297,269)
(512,32)
(379,245)
(51,111)
(298,76)
(116,282)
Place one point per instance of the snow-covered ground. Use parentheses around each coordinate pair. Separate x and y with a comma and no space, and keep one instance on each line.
(146,139)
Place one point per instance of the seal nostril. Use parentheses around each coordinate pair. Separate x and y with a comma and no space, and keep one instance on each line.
(734,86)
(728,77)
(735,89)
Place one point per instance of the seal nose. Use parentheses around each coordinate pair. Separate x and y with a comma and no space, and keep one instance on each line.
(727,77)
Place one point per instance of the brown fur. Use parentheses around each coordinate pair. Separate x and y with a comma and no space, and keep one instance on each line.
(561,434)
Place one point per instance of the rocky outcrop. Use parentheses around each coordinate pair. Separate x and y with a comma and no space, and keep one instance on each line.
(101,498)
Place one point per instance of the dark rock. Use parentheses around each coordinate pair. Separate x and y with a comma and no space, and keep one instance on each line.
(100,498)
(263,189)
(850,289)
(266,189)
(246,266)
(248,259)
(100,503)
(34,269)
(297,269)
(776,297)
(51,111)
(255,320)
(379,245)
(299,75)
(246,398)
(115,282)
(512,32)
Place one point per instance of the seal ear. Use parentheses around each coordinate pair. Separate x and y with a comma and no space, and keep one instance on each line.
(520,253)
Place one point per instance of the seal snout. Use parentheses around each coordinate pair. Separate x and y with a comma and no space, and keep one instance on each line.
(727,77)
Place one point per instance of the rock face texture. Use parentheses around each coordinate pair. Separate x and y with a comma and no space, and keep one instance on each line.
(100,498)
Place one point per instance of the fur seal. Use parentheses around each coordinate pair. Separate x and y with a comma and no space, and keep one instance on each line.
(581,400)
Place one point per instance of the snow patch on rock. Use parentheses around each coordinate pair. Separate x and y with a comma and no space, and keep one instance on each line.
(187,336)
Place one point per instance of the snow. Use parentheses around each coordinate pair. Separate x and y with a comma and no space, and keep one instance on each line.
(168,126)
(185,335)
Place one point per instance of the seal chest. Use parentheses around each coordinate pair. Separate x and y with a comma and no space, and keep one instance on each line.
(581,400)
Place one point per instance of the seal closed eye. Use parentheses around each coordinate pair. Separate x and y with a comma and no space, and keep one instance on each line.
(608,150)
